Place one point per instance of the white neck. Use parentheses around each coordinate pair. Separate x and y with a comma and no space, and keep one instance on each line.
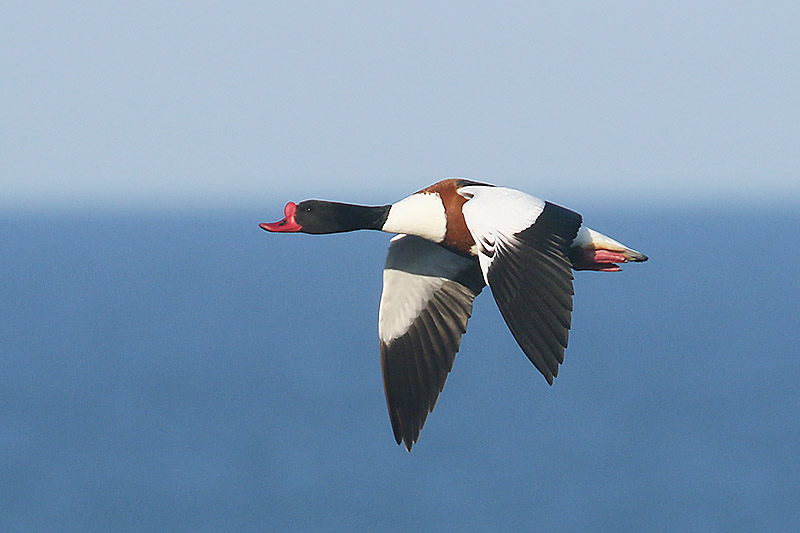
(421,214)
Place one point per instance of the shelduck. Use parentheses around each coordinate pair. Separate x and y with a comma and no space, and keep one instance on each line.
(453,238)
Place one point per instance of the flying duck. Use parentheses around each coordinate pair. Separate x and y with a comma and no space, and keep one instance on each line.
(453,238)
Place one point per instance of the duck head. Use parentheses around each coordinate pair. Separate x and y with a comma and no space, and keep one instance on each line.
(320,217)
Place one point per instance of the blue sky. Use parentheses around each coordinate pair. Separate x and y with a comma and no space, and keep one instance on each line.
(222,104)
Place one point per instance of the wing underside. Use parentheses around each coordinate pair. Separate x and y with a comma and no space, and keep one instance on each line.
(425,305)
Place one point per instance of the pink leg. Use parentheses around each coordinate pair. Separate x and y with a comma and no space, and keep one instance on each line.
(599,260)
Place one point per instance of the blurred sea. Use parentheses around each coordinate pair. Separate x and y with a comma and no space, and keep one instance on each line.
(188,372)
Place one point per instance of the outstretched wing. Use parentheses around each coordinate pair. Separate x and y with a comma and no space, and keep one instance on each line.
(523,245)
(426,301)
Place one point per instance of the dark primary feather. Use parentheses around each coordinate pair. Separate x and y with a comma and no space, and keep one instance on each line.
(531,280)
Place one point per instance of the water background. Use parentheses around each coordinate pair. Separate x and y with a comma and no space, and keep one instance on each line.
(188,371)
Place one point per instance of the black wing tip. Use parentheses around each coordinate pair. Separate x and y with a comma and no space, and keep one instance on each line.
(407,443)
(406,440)
(548,374)
(410,439)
